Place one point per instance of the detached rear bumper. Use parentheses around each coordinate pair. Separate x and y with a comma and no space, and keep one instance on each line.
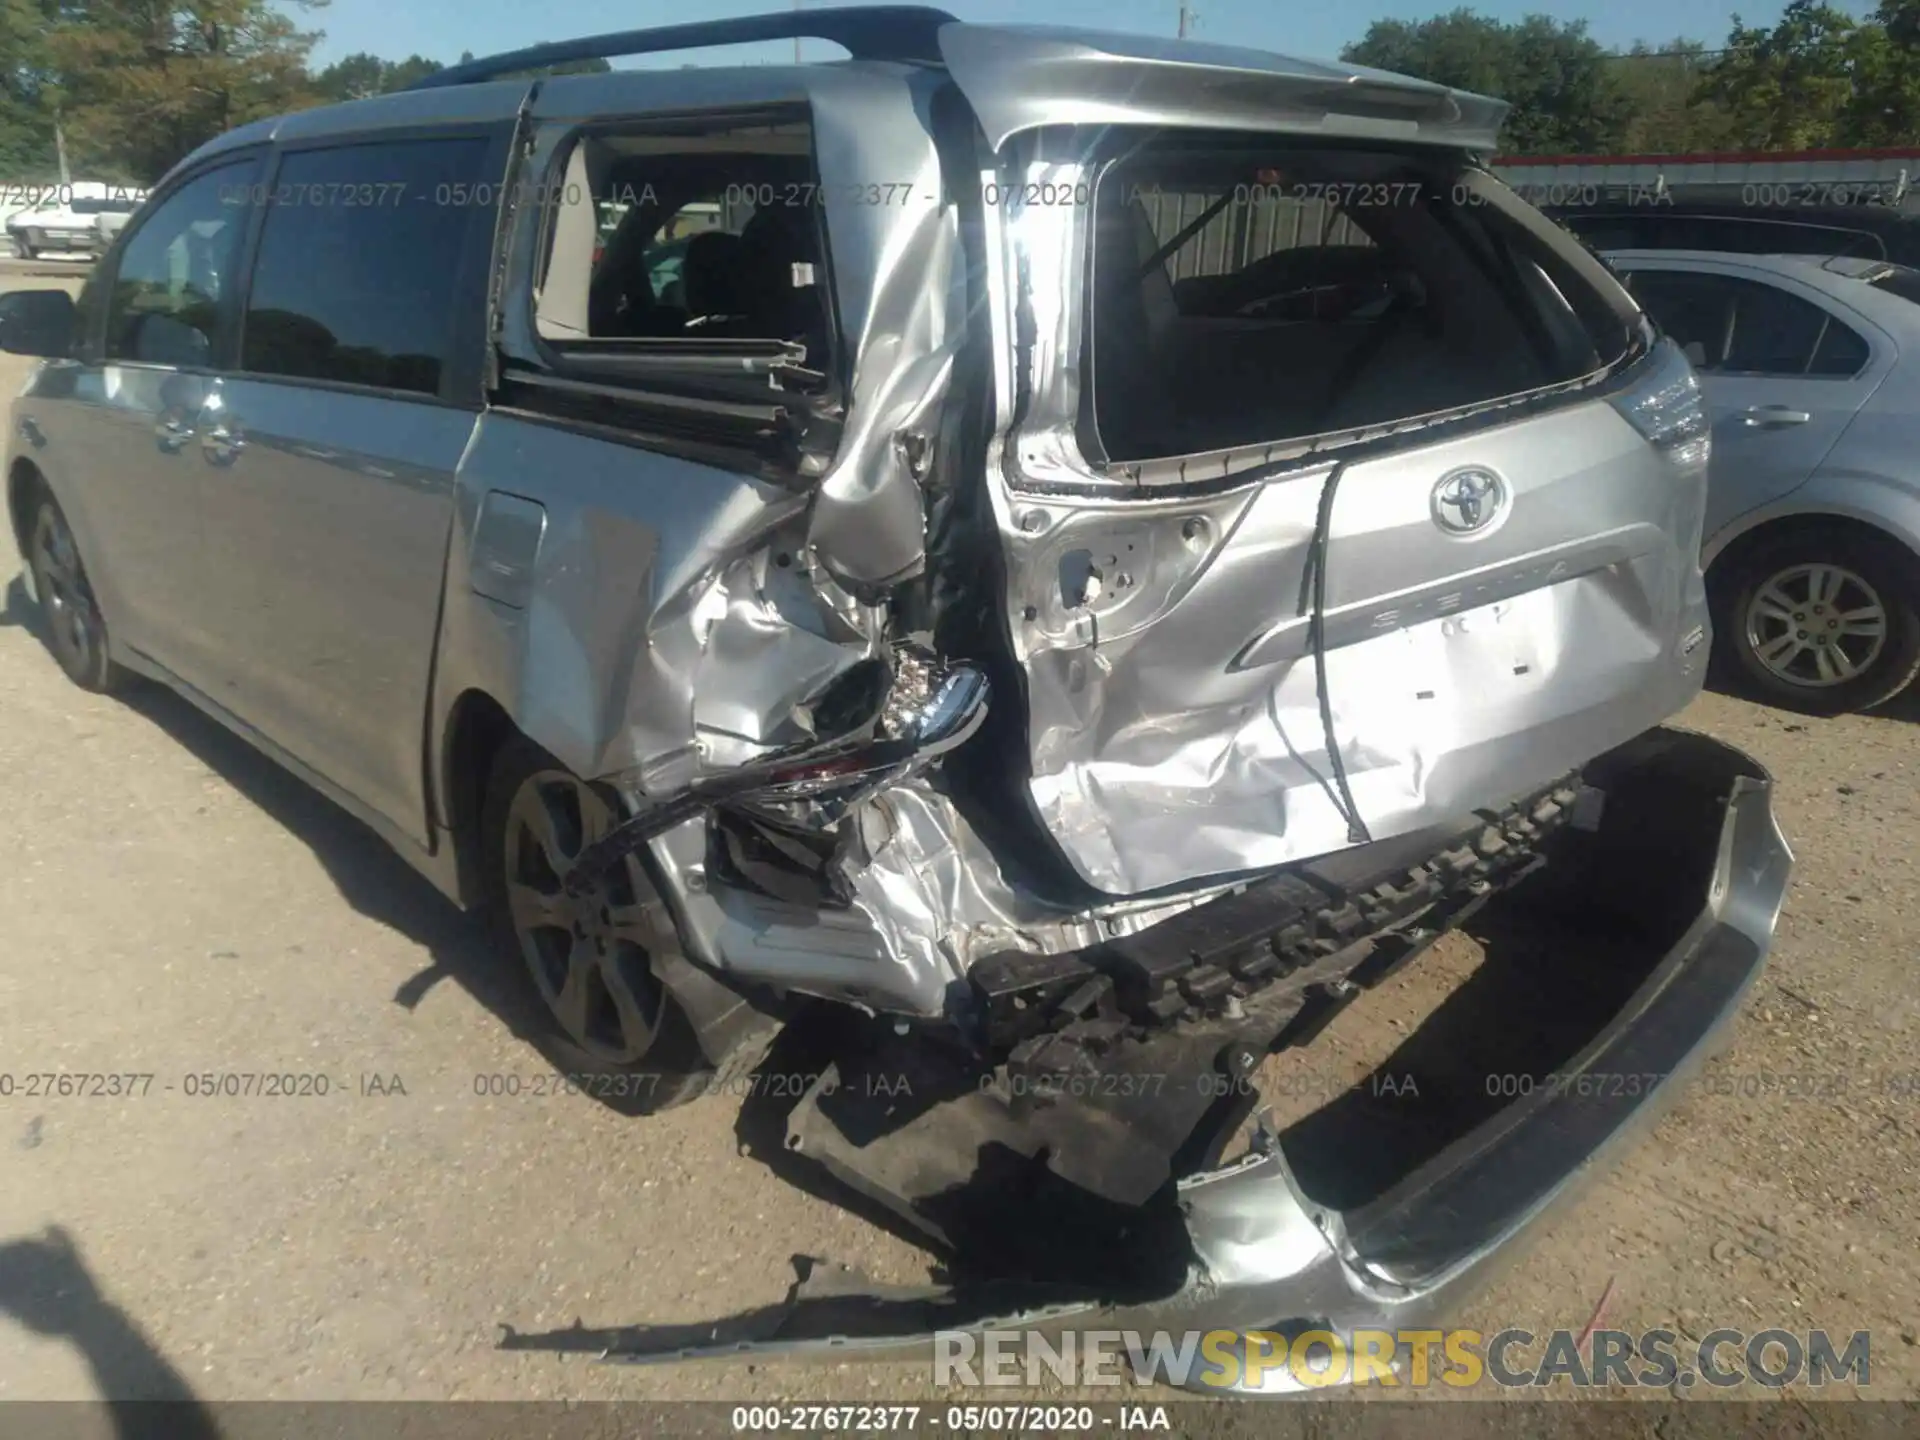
(1268,1260)
(1688,832)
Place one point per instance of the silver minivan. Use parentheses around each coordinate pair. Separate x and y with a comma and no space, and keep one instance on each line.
(1086,552)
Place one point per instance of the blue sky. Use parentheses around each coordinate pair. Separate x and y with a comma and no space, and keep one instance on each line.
(441,29)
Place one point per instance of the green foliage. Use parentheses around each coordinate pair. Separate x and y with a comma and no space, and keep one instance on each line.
(361,75)
(137,84)
(1559,80)
(26,118)
(1817,79)
(1790,88)
(1667,113)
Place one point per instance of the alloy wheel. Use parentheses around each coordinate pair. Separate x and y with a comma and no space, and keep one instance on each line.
(590,955)
(73,615)
(1816,625)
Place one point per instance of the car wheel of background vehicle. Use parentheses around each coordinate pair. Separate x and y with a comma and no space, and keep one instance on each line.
(76,634)
(12,248)
(604,1010)
(1823,620)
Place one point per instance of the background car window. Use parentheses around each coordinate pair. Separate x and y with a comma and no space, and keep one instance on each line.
(1749,328)
(1774,333)
(1842,352)
(358,263)
(164,306)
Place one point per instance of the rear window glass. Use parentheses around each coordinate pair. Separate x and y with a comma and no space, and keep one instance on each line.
(1250,292)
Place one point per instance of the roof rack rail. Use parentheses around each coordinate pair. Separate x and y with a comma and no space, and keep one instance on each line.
(868,32)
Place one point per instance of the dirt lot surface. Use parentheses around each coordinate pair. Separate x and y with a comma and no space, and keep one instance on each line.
(173,904)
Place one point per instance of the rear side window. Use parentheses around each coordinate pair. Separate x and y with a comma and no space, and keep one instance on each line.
(1247,292)
(679,238)
(359,263)
(1746,327)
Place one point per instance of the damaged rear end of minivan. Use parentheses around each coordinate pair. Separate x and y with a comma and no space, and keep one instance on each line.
(1302,562)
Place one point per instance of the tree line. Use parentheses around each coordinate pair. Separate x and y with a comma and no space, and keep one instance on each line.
(1818,79)
(133,85)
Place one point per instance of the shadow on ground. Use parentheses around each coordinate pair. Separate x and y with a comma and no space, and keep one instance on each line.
(46,1287)
(1722,680)
(18,612)
(369,876)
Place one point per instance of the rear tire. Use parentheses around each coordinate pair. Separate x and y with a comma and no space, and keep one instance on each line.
(76,631)
(1822,620)
(602,1015)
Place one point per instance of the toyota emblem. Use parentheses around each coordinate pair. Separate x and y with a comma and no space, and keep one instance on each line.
(1469,502)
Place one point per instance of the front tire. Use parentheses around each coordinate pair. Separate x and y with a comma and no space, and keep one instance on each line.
(1823,620)
(76,631)
(603,1012)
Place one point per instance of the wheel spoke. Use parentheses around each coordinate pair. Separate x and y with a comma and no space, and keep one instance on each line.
(1780,651)
(636,1025)
(79,632)
(1825,664)
(1823,584)
(536,909)
(59,578)
(1775,598)
(550,829)
(570,1005)
(1773,609)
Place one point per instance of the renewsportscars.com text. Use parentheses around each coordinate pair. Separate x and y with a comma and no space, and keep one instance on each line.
(1458,1359)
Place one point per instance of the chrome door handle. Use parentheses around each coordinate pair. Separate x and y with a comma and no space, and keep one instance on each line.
(171,434)
(222,445)
(1766,416)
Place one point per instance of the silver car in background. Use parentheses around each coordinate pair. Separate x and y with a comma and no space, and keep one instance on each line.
(1811,370)
(1102,550)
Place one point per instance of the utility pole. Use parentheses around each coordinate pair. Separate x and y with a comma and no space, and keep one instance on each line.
(796,39)
(60,151)
(1187,17)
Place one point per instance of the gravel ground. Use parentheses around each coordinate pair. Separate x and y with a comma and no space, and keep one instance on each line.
(174,904)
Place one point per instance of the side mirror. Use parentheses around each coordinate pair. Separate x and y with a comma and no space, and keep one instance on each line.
(37,322)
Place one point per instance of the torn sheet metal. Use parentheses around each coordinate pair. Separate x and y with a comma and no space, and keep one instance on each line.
(868,521)
(929,900)
(1256,1254)
(770,640)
